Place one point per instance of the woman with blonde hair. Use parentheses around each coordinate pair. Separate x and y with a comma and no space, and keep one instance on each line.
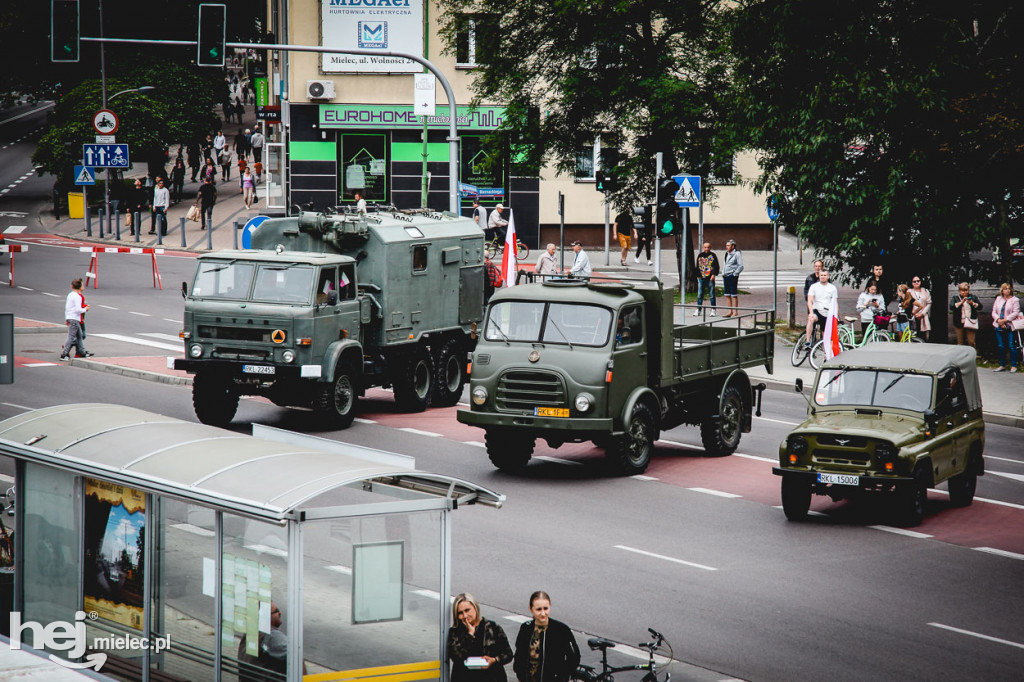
(477,647)
(1006,319)
(965,307)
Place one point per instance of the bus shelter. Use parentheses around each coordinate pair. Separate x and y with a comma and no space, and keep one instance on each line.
(187,552)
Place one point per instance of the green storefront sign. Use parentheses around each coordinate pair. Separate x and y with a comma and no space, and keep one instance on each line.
(379,116)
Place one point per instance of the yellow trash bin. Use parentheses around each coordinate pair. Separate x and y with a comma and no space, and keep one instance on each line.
(76,205)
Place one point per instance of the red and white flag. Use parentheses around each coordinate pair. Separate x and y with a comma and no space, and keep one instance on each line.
(831,337)
(508,258)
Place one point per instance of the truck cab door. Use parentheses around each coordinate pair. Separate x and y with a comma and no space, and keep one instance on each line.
(628,357)
(337,310)
(952,411)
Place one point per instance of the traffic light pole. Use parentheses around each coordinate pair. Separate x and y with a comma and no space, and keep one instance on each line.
(607,233)
(453,131)
(657,232)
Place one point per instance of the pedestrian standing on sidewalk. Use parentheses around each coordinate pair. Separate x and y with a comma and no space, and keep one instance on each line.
(473,636)
(241,145)
(640,235)
(75,308)
(546,650)
(209,172)
(161,202)
(195,159)
(547,264)
(581,263)
(207,198)
(257,171)
(178,180)
(256,141)
(731,278)
(1006,318)
(922,308)
(248,187)
(624,230)
(360,203)
(965,307)
(219,144)
(707,269)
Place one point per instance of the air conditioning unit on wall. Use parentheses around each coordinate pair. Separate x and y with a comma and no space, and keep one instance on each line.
(320,89)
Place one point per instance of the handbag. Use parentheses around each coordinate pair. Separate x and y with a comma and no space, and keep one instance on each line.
(1017,324)
(970,322)
(882,320)
(128,219)
(193,213)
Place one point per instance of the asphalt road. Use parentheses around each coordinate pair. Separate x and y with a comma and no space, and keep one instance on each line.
(697,549)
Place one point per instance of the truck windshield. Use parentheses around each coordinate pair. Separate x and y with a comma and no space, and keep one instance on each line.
(874,388)
(556,323)
(223,279)
(283,283)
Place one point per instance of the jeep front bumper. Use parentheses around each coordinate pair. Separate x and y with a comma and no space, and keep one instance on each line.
(580,427)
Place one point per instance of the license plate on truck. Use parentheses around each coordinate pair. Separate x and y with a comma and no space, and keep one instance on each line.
(839,479)
(551,411)
(257,369)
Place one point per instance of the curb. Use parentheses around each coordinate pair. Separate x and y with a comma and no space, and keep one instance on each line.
(131,372)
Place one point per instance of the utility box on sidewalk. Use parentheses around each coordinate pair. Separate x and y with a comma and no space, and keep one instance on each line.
(76,205)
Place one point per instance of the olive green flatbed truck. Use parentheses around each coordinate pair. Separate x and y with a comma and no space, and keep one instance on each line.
(571,360)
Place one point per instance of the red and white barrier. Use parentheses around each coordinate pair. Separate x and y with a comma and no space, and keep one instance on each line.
(12,249)
(94,266)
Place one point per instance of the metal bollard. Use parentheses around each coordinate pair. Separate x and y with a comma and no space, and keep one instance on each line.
(137,226)
(159,231)
(791,306)
(88,221)
(101,213)
(117,223)
(209,235)
(183,242)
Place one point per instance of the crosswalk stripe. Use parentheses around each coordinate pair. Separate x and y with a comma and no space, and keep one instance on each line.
(141,342)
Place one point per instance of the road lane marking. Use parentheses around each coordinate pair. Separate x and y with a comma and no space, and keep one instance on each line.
(474,443)
(265,549)
(760,459)
(556,460)
(682,445)
(902,531)
(1000,552)
(419,433)
(778,421)
(41,364)
(641,477)
(195,530)
(982,499)
(429,594)
(516,618)
(132,312)
(16,229)
(167,319)
(16,405)
(46,293)
(165,337)
(1004,459)
(140,342)
(109,307)
(344,570)
(666,558)
(716,493)
(977,634)
(1015,477)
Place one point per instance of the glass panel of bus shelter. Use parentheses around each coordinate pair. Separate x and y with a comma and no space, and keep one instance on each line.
(51,567)
(182,610)
(254,600)
(274,175)
(352,569)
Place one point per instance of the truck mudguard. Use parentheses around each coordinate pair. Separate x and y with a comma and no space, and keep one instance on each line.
(640,393)
(333,356)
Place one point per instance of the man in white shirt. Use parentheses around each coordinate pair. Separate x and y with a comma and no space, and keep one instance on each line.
(219,144)
(546,264)
(360,203)
(581,264)
(479,215)
(75,308)
(256,143)
(496,224)
(821,296)
(161,202)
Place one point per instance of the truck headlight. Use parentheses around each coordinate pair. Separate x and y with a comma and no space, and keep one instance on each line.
(195,350)
(797,446)
(583,402)
(886,454)
(288,356)
(479,395)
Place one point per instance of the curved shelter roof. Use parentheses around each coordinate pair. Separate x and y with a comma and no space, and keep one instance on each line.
(273,475)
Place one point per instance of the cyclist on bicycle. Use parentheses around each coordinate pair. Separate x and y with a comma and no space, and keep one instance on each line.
(496,225)
(820,299)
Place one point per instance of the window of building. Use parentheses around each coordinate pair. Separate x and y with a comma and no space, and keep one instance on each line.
(477,37)
(723,171)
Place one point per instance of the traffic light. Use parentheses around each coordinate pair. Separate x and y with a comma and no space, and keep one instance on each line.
(667,212)
(607,180)
(64,31)
(212,20)
(599,181)
(642,219)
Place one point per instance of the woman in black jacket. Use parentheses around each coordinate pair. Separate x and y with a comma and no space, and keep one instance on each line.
(477,640)
(546,650)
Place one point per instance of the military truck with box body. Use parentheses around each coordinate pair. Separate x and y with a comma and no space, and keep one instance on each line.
(888,418)
(572,360)
(325,306)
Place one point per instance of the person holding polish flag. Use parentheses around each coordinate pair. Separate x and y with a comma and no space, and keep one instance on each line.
(823,301)
(508,258)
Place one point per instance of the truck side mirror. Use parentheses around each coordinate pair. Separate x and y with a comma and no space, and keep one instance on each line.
(332,297)
(184,289)
(799,385)
(931,418)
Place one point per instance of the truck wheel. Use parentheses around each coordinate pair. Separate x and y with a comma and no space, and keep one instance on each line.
(630,453)
(962,486)
(507,451)
(336,402)
(414,382)
(910,501)
(722,436)
(214,398)
(796,498)
(449,378)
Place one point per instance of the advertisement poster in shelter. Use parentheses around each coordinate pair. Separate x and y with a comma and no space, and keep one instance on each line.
(115,524)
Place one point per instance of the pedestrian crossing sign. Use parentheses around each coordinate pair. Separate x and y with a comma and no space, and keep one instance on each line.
(688,195)
(85,175)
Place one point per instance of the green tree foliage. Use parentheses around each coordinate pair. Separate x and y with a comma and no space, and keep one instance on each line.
(892,130)
(647,74)
(179,110)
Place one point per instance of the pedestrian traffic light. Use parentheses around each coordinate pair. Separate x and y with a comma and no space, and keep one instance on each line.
(667,211)
(212,20)
(642,219)
(599,181)
(64,30)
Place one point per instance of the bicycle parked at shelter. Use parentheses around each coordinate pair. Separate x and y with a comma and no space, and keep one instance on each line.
(494,247)
(586,673)
(6,534)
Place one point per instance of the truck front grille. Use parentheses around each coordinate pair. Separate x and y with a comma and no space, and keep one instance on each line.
(246,354)
(527,389)
(832,456)
(235,333)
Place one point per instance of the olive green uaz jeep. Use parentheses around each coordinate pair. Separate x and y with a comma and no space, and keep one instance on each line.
(893,418)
